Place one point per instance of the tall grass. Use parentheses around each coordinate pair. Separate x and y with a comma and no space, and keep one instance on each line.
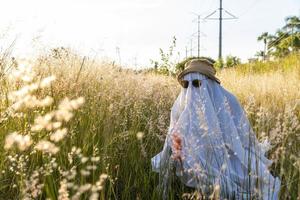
(123,122)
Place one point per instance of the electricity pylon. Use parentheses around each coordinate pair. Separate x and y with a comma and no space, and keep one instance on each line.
(220,18)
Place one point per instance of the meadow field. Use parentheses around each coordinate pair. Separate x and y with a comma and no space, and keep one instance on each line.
(78,128)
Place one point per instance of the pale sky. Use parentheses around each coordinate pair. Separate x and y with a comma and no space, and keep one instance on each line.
(138,27)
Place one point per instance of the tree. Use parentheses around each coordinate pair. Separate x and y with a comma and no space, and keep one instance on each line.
(265,37)
(292,23)
(291,43)
(285,41)
(293,26)
(260,54)
(274,46)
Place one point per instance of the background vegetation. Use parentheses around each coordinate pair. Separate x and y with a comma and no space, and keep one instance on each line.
(122,124)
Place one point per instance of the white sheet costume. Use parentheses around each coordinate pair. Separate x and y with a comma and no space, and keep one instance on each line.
(210,142)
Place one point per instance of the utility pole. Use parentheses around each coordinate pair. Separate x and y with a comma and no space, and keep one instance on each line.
(191,47)
(198,32)
(186,52)
(220,18)
(118,55)
(135,61)
(220,31)
(198,36)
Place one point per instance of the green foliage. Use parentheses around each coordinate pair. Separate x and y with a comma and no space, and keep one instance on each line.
(285,41)
(232,61)
(285,64)
(219,64)
(265,37)
(167,61)
(180,66)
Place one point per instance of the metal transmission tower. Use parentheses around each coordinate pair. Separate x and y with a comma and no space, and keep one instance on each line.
(198,34)
(220,18)
(198,20)
(191,47)
(118,55)
(186,52)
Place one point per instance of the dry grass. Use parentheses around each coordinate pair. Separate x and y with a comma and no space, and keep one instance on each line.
(123,122)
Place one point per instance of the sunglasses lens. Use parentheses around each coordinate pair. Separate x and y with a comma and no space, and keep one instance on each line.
(196,83)
(185,84)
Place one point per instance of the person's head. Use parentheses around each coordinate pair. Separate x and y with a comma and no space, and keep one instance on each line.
(202,65)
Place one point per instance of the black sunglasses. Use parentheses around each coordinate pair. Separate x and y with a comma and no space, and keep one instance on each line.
(196,83)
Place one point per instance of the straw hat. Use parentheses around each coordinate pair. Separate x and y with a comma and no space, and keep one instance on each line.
(201,65)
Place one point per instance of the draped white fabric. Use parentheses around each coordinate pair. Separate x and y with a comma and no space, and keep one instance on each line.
(210,142)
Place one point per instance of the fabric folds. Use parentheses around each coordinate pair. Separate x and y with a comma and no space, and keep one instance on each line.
(210,143)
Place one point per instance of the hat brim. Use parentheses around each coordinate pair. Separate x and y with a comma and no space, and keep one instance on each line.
(202,71)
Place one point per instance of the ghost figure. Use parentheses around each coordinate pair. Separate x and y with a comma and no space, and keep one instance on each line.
(210,142)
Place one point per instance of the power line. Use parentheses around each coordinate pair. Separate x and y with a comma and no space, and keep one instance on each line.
(220,18)
(249,8)
(277,39)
